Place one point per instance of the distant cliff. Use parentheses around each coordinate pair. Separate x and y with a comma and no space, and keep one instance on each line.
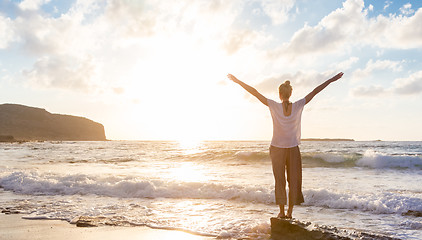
(30,123)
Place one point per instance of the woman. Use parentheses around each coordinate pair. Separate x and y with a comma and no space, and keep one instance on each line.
(284,149)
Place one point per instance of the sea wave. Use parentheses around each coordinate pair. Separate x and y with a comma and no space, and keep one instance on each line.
(251,155)
(377,203)
(33,183)
(369,159)
(377,160)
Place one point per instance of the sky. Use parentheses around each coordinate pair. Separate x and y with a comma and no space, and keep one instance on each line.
(156,69)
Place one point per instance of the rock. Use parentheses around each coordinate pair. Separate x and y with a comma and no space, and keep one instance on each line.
(84,224)
(85,221)
(7,138)
(30,123)
(282,229)
(413,213)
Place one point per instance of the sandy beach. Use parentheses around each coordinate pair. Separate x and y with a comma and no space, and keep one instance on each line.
(13,227)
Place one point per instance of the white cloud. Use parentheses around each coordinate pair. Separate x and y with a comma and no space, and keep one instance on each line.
(330,34)
(350,26)
(130,19)
(408,86)
(93,41)
(72,33)
(387,4)
(108,41)
(7,33)
(368,91)
(372,66)
(32,4)
(399,32)
(63,72)
(237,39)
(298,80)
(346,64)
(407,9)
(277,10)
(411,85)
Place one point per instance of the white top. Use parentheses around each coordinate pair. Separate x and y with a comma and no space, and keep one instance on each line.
(286,129)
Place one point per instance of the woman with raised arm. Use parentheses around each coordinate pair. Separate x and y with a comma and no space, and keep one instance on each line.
(284,149)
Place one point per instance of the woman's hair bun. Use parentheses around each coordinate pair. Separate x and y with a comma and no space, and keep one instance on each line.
(287,82)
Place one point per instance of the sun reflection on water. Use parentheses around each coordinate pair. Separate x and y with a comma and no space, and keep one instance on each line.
(190,146)
(188,172)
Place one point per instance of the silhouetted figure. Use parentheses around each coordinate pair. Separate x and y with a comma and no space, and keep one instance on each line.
(284,149)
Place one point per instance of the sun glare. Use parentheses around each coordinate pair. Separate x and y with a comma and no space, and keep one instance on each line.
(188,172)
(189,145)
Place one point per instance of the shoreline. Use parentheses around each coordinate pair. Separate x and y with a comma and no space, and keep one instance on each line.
(14,227)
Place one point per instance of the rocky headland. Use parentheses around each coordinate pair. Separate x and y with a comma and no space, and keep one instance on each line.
(23,123)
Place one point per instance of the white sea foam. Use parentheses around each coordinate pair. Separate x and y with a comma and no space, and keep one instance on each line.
(376,203)
(377,160)
(33,183)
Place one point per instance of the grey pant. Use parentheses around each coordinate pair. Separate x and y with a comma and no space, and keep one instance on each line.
(287,160)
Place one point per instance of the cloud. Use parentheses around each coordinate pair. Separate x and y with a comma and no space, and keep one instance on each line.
(106,40)
(69,34)
(350,26)
(238,39)
(32,5)
(7,33)
(118,90)
(346,64)
(130,18)
(277,10)
(411,85)
(368,91)
(62,72)
(407,9)
(372,66)
(387,4)
(299,80)
(408,86)
(330,34)
(396,32)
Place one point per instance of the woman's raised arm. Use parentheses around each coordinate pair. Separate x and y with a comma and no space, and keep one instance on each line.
(250,89)
(318,89)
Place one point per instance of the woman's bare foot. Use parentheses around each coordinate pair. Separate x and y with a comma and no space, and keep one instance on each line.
(281,215)
(289,212)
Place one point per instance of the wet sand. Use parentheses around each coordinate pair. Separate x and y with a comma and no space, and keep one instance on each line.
(13,227)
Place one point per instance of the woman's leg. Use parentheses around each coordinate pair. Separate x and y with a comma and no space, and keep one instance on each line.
(289,211)
(278,159)
(281,214)
(294,178)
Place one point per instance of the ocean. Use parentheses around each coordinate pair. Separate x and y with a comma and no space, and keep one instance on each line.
(223,189)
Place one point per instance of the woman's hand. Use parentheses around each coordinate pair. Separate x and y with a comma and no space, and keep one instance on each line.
(337,77)
(322,86)
(250,89)
(233,78)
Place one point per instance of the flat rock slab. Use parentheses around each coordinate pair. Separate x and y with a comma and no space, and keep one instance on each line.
(283,229)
